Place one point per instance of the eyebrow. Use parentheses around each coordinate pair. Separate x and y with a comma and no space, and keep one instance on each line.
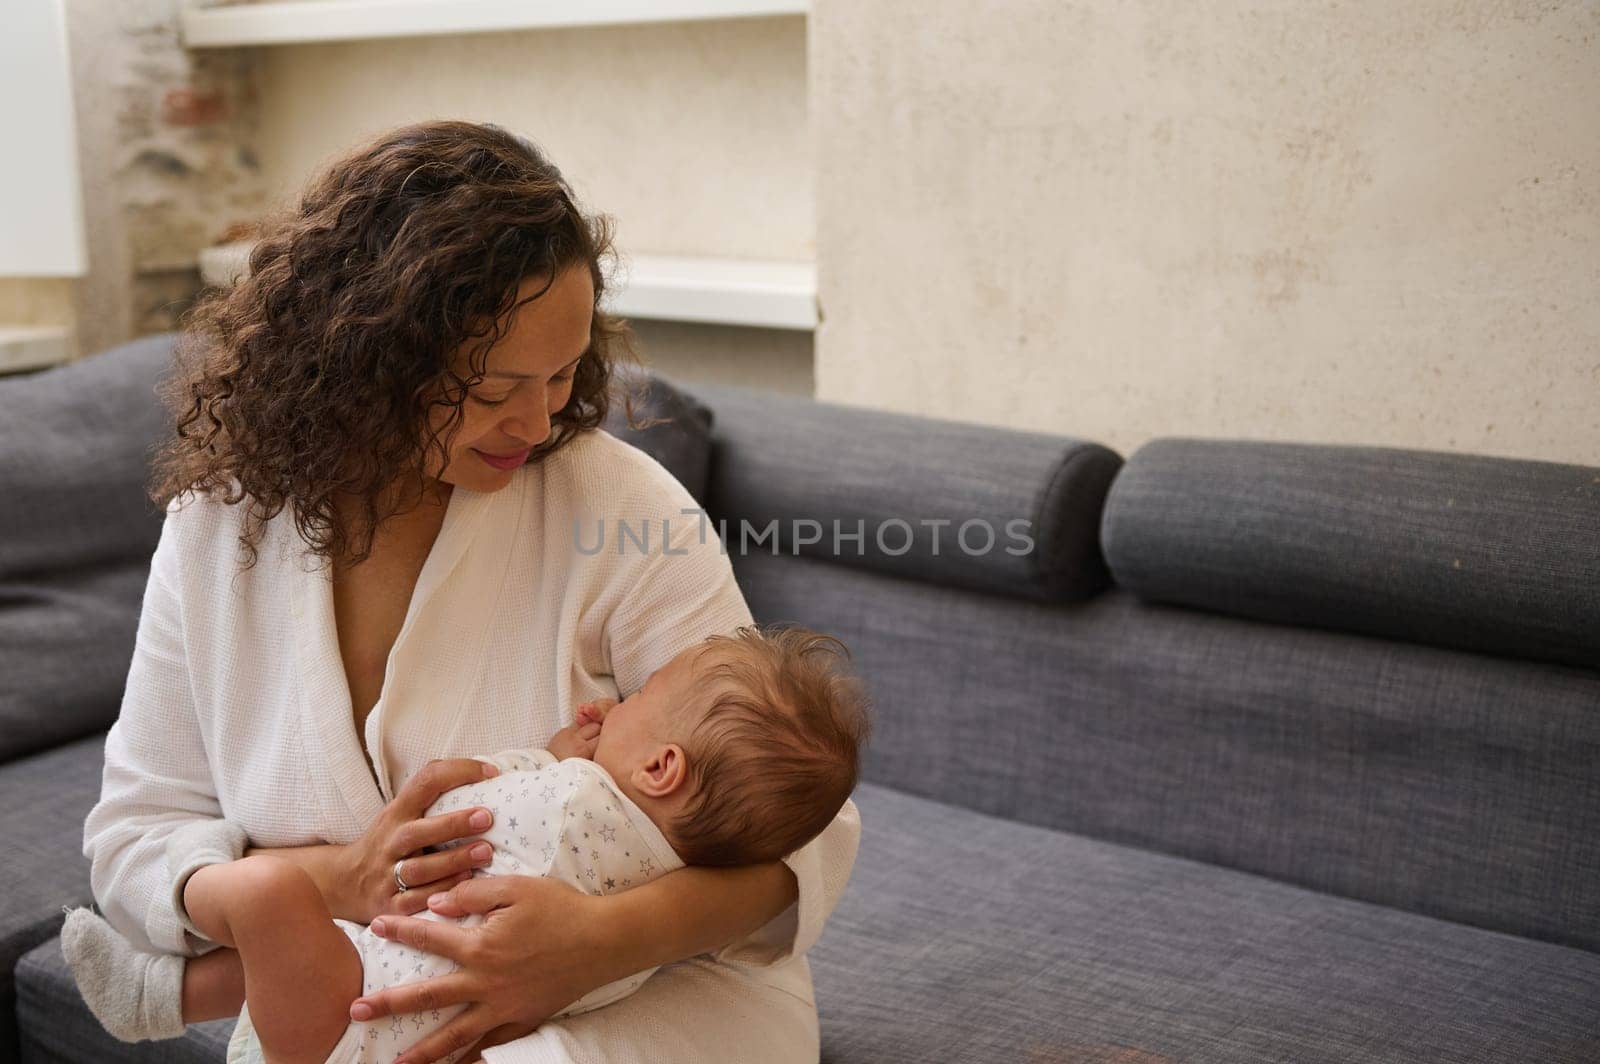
(533,376)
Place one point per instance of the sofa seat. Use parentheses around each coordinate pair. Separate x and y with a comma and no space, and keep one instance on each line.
(46,796)
(967,938)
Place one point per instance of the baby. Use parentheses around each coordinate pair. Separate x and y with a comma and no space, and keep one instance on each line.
(740,750)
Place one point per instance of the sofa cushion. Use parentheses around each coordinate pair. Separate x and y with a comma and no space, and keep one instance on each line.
(963,938)
(76,534)
(75,449)
(58,1028)
(966,505)
(668,424)
(46,798)
(1452,784)
(1485,554)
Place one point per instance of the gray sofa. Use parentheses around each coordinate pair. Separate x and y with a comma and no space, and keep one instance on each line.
(1261,752)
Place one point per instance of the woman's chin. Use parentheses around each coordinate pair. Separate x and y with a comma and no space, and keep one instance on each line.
(484,479)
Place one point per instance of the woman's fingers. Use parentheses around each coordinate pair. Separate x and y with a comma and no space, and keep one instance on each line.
(476,896)
(430,936)
(436,777)
(428,869)
(413,901)
(442,991)
(442,828)
(462,1031)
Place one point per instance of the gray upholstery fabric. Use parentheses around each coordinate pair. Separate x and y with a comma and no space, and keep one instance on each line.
(1480,553)
(75,445)
(76,534)
(968,940)
(669,425)
(58,1028)
(46,798)
(65,643)
(890,479)
(1450,784)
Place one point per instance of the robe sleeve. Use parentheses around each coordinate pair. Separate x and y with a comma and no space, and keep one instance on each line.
(678,598)
(157,780)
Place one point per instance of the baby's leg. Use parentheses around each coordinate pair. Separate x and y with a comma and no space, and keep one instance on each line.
(213,986)
(300,971)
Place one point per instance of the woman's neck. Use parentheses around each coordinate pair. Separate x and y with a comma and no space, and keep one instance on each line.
(409,516)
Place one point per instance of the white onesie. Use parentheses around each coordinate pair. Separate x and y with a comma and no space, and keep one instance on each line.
(567,820)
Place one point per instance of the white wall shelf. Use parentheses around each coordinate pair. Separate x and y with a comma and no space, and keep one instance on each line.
(773,295)
(764,294)
(305,21)
(24,347)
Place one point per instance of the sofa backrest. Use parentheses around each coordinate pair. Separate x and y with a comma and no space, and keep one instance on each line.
(1453,550)
(76,535)
(1444,781)
(941,502)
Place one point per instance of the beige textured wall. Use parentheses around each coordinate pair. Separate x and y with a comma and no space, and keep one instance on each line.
(1369,222)
(166,152)
(692,136)
(37,300)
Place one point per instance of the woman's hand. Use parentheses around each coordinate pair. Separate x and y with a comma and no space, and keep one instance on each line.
(366,887)
(542,946)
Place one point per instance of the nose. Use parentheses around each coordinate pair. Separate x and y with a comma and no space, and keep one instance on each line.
(530,422)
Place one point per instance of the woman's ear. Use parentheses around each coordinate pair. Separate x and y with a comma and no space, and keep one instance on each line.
(665,772)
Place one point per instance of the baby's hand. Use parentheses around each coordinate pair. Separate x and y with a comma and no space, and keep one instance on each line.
(577,739)
(595,711)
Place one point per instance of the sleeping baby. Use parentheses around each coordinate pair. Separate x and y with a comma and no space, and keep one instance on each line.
(738,751)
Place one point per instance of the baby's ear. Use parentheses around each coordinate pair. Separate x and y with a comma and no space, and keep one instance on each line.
(665,772)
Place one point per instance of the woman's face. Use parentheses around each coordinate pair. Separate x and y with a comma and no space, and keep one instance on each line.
(527,379)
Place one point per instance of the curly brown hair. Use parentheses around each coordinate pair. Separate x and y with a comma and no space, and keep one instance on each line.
(313,379)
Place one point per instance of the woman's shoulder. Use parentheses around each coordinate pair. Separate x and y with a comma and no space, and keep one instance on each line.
(196,518)
(599,474)
(203,529)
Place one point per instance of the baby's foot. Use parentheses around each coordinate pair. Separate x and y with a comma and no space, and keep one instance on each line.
(134,995)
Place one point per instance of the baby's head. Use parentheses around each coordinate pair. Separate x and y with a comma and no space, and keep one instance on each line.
(743,747)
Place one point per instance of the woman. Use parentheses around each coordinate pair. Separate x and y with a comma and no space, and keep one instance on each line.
(369,569)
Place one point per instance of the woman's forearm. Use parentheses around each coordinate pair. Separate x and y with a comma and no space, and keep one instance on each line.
(697,910)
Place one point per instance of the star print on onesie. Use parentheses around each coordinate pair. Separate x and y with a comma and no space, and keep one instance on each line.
(567,820)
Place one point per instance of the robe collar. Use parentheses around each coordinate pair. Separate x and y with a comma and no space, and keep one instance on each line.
(327,709)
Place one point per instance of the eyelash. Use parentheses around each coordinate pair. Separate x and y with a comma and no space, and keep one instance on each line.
(560,378)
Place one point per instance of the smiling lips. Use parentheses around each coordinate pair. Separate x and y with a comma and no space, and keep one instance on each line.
(510,461)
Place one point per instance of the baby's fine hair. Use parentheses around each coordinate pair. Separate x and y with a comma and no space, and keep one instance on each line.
(777,752)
